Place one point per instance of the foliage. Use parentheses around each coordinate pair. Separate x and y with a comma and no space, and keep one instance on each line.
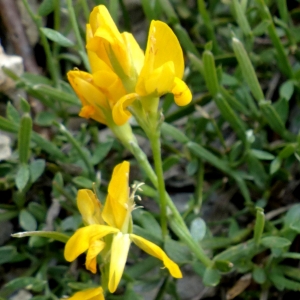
(237,140)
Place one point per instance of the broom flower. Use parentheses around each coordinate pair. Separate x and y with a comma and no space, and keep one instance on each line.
(152,75)
(113,219)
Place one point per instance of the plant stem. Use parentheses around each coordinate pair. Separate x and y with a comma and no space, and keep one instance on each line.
(178,222)
(79,150)
(156,151)
(75,27)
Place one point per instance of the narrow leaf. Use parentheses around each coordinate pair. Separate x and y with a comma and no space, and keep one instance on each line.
(57,37)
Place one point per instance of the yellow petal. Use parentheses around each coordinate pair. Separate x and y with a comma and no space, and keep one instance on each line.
(120,112)
(119,252)
(116,204)
(102,22)
(118,185)
(157,252)
(89,294)
(89,207)
(133,49)
(111,84)
(110,44)
(161,80)
(83,85)
(114,213)
(89,111)
(99,47)
(91,257)
(162,46)
(96,63)
(182,94)
(80,241)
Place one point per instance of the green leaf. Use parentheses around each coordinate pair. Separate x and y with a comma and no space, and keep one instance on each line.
(24,138)
(247,69)
(192,167)
(261,28)
(292,272)
(38,211)
(292,217)
(211,277)
(286,90)
(27,221)
(275,165)
(29,283)
(101,151)
(7,253)
(12,114)
(6,215)
(281,283)
(262,155)
(56,94)
(210,73)
(58,236)
(259,225)
(198,229)
(293,255)
(45,118)
(46,8)
(25,106)
(275,242)
(170,161)
(223,265)
(83,182)
(36,168)
(37,242)
(32,79)
(71,223)
(259,275)
(178,252)
(256,169)
(57,37)
(146,220)
(241,18)
(282,108)
(272,117)
(22,176)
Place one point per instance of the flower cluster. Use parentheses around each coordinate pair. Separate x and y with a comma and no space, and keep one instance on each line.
(121,74)
(123,81)
(108,230)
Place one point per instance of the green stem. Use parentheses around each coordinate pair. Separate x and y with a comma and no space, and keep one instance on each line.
(124,134)
(73,19)
(183,232)
(156,150)
(80,151)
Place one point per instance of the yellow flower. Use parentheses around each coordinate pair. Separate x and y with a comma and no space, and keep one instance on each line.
(116,214)
(117,51)
(98,91)
(159,72)
(88,294)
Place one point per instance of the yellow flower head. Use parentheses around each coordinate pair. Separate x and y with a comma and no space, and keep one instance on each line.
(154,74)
(116,214)
(119,52)
(89,294)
